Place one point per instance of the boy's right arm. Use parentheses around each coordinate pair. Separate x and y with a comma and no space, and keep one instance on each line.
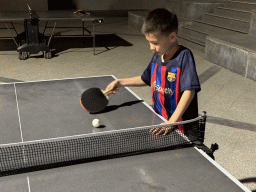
(134,81)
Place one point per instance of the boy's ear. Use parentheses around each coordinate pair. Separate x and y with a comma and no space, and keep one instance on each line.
(173,36)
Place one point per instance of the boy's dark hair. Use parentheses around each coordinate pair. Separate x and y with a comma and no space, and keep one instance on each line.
(160,20)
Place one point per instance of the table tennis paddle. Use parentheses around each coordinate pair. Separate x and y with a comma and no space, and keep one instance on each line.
(94,100)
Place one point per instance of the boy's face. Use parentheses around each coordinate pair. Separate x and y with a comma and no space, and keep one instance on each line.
(161,44)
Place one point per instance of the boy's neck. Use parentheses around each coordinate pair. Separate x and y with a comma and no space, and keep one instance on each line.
(166,57)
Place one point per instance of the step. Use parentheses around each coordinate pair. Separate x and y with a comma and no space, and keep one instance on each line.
(192,32)
(251,1)
(193,38)
(233,23)
(136,19)
(236,53)
(234,13)
(241,5)
(191,43)
(201,33)
(216,28)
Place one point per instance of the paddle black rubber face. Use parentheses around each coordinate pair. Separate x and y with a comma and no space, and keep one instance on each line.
(93,100)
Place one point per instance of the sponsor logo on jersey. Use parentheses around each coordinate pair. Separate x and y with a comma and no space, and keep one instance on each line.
(163,90)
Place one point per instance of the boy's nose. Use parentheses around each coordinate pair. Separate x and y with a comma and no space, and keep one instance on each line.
(152,48)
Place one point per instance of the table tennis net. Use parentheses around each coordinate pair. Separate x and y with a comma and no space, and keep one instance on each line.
(88,146)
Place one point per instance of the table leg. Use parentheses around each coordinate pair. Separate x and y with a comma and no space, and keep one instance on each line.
(93,34)
(52,33)
(45,27)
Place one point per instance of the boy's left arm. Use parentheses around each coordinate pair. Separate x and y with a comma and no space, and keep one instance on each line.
(183,104)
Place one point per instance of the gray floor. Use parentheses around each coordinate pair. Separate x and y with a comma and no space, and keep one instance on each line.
(228,98)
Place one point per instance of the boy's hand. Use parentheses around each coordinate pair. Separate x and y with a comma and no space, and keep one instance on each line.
(113,87)
(184,102)
(134,81)
(162,130)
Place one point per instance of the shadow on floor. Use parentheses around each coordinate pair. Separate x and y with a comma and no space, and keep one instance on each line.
(61,44)
(249,180)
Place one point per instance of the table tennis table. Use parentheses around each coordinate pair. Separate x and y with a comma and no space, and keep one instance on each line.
(31,41)
(51,109)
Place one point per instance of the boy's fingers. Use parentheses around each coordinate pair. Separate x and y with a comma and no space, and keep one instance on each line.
(166,131)
(153,130)
(159,131)
(156,131)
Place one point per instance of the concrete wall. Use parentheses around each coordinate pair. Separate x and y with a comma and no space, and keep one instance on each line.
(153,4)
(192,9)
(109,4)
(234,57)
(119,4)
(177,5)
(21,5)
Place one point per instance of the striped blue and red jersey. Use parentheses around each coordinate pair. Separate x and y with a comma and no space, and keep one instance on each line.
(168,80)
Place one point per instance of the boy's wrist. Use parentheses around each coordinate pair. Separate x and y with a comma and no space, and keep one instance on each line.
(170,121)
(120,83)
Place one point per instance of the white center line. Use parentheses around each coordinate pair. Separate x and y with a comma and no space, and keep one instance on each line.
(21,135)
(28,184)
(18,112)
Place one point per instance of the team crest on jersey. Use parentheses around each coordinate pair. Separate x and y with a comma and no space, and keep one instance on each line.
(171,77)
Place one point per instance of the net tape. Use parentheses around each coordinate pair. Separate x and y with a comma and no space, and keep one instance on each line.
(51,151)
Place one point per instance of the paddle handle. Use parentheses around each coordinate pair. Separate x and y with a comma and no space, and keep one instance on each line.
(106,92)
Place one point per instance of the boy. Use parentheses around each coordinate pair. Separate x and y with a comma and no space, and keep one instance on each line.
(171,73)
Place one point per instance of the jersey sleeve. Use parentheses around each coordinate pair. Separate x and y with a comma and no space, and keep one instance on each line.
(189,78)
(146,75)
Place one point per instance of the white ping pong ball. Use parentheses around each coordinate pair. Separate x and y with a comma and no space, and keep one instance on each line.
(96,122)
